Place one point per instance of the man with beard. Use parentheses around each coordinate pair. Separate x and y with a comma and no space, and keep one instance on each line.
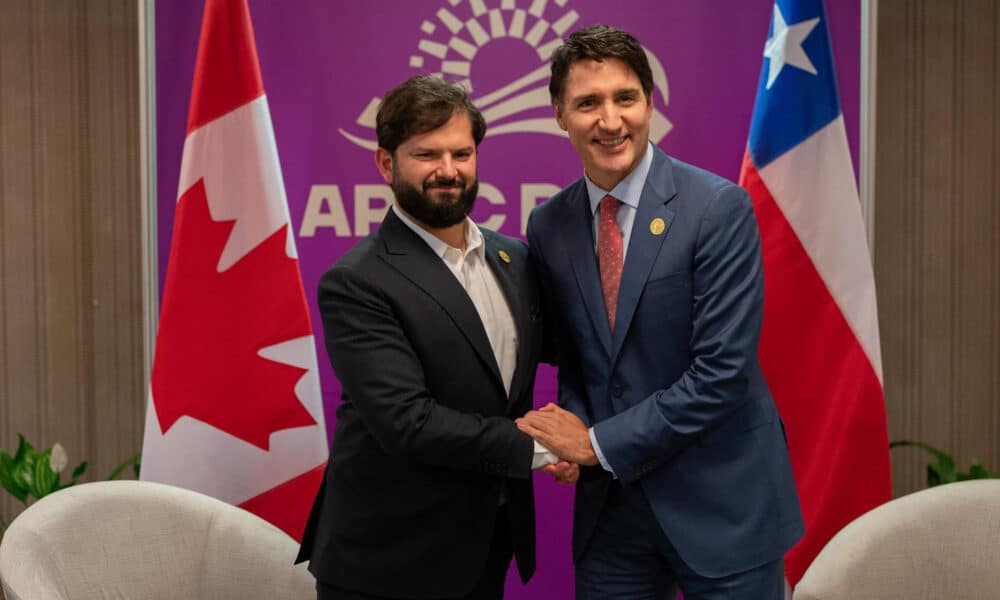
(432,327)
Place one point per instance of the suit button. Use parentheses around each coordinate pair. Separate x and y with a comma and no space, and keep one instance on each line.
(616,391)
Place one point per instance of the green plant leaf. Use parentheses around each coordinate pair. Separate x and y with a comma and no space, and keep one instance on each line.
(11,477)
(46,480)
(131,461)
(23,448)
(29,473)
(938,474)
(941,455)
(8,481)
(944,470)
(37,479)
(24,473)
(977,471)
(78,471)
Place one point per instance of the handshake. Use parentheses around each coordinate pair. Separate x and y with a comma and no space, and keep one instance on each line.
(563,434)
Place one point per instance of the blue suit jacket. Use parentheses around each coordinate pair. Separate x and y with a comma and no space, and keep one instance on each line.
(675,394)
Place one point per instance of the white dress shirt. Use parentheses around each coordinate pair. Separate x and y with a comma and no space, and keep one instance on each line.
(477,279)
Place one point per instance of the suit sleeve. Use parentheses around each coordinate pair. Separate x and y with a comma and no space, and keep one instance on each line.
(382,376)
(728,292)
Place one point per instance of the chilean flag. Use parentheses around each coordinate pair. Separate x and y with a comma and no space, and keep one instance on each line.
(234,408)
(819,346)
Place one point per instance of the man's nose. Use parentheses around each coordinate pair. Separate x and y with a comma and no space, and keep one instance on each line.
(610,117)
(446,168)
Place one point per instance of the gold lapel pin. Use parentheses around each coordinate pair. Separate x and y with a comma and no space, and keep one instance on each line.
(656,226)
(504,256)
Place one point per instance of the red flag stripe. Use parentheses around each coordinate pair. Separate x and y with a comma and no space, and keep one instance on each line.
(287,505)
(823,383)
(227,72)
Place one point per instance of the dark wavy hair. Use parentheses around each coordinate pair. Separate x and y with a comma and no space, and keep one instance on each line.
(599,42)
(421,104)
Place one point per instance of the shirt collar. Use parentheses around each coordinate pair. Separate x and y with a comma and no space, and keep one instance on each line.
(629,189)
(473,237)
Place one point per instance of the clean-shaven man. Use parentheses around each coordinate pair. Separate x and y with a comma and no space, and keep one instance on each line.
(651,270)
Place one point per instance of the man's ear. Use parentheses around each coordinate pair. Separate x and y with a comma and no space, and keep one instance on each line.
(560,118)
(383,160)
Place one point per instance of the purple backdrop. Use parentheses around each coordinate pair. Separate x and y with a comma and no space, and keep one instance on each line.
(324,62)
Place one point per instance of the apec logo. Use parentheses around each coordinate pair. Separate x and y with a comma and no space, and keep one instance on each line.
(501,52)
(502,56)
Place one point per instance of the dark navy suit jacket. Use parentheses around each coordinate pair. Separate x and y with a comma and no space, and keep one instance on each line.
(675,394)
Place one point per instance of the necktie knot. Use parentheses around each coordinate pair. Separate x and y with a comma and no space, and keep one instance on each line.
(609,207)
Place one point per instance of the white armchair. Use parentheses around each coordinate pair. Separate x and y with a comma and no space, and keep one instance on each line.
(943,542)
(132,539)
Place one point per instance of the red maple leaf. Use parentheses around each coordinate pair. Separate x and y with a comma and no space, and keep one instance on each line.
(213,324)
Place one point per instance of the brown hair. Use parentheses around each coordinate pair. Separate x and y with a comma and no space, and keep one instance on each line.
(599,42)
(421,104)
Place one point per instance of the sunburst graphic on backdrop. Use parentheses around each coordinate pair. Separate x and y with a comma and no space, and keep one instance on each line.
(449,45)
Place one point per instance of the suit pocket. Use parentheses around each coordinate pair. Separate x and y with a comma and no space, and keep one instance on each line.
(675,278)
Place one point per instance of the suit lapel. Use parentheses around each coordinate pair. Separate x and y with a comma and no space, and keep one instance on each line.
(579,238)
(644,245)
(518,308)
(415,260)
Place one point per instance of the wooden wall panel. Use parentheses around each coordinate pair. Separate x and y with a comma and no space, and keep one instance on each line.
(894,252)
(995,258)
(115,230)
(936,213)
(21,318)
(976,196)
(71,358)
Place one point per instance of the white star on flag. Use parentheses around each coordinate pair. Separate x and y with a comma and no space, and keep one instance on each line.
(785,46)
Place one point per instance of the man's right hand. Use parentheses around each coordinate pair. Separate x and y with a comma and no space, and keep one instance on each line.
(563,471)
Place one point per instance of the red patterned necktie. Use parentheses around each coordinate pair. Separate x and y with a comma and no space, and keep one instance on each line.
(610,254)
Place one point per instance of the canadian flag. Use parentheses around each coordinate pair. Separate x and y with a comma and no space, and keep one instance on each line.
(235,410)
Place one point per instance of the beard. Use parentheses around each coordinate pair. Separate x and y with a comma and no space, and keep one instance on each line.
(449,209)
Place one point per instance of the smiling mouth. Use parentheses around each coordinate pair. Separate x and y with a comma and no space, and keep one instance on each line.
(611,142)
(455,184)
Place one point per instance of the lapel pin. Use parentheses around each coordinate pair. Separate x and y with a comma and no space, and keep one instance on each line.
(504,256)
(656,226)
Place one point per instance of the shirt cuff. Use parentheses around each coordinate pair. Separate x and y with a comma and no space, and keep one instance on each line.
(600,455)
(542,456)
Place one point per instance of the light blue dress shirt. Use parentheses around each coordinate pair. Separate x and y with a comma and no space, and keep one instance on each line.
(628,191)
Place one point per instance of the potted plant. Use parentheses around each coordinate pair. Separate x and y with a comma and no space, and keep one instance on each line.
(31,474)
(943,470)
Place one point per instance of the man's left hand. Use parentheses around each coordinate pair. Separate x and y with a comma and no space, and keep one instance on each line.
(560,431)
